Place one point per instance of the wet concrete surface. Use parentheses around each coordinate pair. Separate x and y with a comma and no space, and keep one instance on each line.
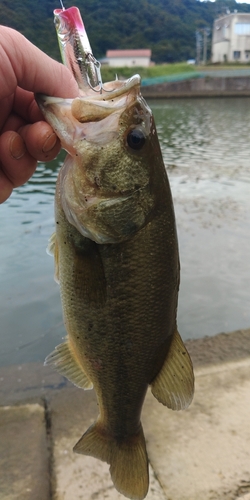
(202,453)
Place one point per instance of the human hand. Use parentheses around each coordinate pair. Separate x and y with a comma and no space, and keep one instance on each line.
(25,137)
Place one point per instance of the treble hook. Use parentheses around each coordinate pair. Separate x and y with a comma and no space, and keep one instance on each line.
(93,76)
(98,76)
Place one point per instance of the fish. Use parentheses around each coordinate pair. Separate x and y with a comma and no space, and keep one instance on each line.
(116,259)
(117,262)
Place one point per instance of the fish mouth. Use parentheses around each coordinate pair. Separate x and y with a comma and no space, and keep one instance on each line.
(74,120)
(93,108)
(111,91)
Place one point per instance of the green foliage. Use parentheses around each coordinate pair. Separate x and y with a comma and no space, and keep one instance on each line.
(166,26)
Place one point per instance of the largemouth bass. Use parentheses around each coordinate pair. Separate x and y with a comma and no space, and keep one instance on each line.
(116,259)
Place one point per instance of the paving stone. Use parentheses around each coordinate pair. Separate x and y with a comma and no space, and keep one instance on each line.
(24,459)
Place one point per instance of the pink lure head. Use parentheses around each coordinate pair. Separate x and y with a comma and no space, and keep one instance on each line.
(70,17)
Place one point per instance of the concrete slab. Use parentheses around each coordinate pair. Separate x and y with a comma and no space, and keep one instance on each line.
(204,453)
(85,478)
(76,476)
(24,460)
(200,454)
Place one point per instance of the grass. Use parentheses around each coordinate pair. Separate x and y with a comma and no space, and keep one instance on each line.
(216,67)
(109,73)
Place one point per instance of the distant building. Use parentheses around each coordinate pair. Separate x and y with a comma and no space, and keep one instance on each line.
(231,38)
(119,58)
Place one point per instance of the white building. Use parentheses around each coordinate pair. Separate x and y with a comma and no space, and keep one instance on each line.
(121,58)
(231,38)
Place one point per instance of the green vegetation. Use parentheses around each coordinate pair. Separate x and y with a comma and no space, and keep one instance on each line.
(109,73)
(166,26)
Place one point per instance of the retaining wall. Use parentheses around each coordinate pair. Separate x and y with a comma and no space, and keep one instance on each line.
(200,87)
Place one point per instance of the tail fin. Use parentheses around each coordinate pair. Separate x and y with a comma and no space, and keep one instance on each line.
(127,458)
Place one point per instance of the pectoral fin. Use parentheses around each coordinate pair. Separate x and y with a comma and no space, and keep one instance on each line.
(174,384)
(66,364)
(52,249)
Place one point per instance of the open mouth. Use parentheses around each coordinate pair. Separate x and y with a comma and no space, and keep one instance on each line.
(96,107)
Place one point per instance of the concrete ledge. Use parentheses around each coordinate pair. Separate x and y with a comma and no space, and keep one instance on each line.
(24,458)
(220,349)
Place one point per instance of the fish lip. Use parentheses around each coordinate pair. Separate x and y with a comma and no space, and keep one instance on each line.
(126,86)
(43,100)
(108,95)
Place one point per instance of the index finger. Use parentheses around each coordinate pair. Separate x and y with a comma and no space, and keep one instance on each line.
(26,66)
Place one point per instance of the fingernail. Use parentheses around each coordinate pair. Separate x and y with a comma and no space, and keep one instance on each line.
(49,143)
(17,147)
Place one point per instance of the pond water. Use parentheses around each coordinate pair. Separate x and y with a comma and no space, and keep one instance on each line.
(206,149)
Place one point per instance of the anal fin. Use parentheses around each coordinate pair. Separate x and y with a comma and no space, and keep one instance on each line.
(174,384)
(65,363)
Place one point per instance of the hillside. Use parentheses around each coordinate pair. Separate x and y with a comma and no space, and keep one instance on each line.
(166,26)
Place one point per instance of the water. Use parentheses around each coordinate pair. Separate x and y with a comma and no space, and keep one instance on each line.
(206,149)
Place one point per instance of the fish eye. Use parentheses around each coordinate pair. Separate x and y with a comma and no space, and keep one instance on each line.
(56,22)
(136,139)
(60,25)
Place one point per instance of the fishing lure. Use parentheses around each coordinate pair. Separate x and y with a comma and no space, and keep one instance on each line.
(75,49)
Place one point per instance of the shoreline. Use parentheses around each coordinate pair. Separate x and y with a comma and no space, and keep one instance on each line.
(21,384)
